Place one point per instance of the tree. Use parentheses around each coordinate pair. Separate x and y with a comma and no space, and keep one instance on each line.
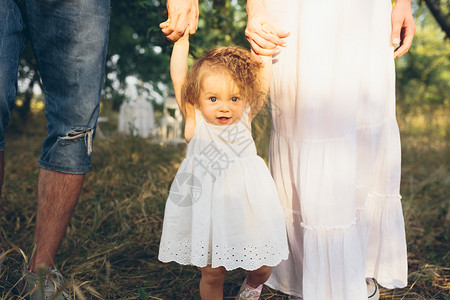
(423,74)
(441,12)
(135,45)
(138,48)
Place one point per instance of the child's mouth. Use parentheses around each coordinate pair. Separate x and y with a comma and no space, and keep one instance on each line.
(223,120)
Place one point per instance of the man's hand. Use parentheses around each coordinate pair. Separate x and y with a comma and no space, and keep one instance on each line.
(181,15)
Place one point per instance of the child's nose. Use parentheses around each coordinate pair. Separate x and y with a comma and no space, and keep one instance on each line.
(224,107)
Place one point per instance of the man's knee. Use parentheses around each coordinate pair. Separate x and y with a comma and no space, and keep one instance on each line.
(68,153)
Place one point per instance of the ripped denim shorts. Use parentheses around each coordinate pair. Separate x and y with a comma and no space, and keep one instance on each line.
(69,40)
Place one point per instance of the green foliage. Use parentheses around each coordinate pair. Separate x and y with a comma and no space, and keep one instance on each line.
(136,44)
(441,12)
(423,74)
(221,23)
(138,47)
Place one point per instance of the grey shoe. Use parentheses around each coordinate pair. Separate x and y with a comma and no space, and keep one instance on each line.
(47,284)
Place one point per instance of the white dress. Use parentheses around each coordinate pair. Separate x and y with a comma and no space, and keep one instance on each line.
(223,208)
(335,149)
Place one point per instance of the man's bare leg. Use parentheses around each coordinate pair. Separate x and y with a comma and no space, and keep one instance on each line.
(57,196)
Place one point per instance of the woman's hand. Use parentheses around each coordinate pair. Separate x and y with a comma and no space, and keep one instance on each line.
(403,27)
(262,31)
(181,15)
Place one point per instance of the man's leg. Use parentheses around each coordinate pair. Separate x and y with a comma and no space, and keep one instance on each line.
(12,41)
(69,41)
(57,195)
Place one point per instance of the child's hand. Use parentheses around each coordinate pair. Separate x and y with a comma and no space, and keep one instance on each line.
(164,24)
(184,37)
(270,34)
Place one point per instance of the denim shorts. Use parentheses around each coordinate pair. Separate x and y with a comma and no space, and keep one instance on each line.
(69,40)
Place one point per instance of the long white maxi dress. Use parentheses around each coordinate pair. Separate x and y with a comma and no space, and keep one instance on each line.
(335,149)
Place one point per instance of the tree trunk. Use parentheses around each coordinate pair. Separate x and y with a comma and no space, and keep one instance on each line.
(439,15)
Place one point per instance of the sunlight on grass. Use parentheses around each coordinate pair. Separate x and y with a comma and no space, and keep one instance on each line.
(111,245)
(436,123)
(37,106)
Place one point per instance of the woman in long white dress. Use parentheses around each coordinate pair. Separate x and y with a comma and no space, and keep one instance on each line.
(335,145)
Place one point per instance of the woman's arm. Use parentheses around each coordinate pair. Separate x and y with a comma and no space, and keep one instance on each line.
(403,27)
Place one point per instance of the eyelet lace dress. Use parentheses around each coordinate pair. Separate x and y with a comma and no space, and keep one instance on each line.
(223,208)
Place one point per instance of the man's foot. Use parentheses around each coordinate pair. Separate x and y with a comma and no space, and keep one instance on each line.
(373,292)
(248,292)
(46,284)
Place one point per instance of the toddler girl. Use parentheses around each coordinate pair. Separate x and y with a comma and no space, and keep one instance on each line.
(223,211)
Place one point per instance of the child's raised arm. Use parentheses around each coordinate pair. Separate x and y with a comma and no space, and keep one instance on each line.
(178,73)
(179,67)
(265,77)
(266,73)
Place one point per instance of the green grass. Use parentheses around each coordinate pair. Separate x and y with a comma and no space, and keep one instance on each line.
(111,245)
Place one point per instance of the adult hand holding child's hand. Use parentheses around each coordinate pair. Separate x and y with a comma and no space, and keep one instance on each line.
(181,15)
(262,32)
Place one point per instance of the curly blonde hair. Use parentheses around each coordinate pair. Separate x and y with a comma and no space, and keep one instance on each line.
(234,61)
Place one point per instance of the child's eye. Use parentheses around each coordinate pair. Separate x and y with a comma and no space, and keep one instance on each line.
(234,99)
(212,99)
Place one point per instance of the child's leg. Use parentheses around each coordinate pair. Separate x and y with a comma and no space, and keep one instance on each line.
(252,285)
(211,284)
(259,276)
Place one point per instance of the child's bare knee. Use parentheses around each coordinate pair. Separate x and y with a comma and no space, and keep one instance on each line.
(261,274)
(213,276)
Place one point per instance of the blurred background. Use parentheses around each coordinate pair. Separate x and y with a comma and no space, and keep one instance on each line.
(111,245)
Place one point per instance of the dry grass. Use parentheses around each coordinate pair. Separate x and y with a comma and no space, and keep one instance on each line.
(110,248)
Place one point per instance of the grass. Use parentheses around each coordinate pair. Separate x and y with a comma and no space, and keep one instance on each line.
(111,245)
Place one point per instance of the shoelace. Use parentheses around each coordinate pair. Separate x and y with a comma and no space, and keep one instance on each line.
(53,282)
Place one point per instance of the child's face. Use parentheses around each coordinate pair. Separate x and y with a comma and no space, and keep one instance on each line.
(220,101)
